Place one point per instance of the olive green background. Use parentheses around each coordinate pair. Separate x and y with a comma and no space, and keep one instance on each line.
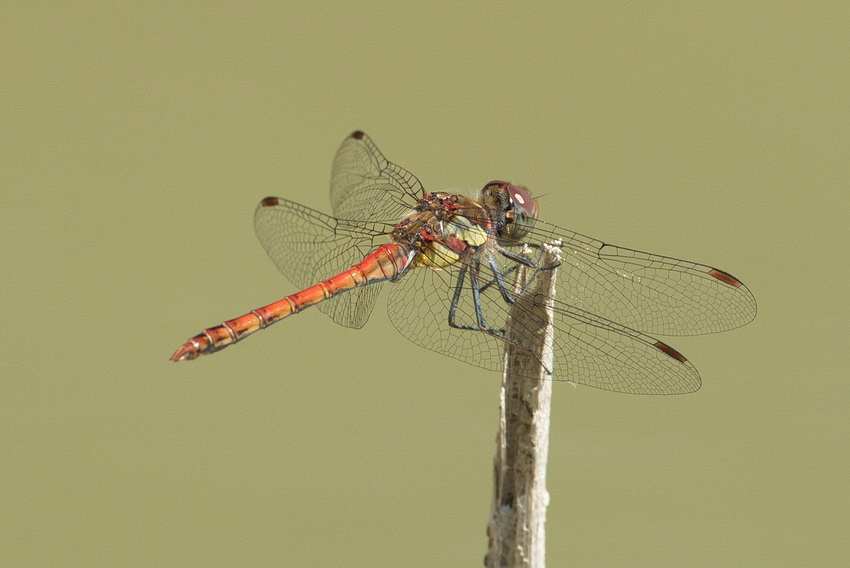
(136,141)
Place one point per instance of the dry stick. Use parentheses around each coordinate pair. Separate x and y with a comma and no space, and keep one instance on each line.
(517,523)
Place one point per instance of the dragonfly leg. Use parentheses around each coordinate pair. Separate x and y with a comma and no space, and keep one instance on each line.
(518,257)
(503,273)
(476,297)
(498,278)
(476,301)
(527,261)
(471,271)
(456,298)
(499,274)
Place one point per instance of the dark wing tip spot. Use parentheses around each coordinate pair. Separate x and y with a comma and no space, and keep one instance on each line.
(667,350)
(358,134)
(269,202)
(725,277)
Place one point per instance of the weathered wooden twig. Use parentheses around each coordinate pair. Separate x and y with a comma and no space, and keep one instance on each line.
(517,524)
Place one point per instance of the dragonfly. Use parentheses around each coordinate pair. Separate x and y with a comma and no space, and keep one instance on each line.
(449,260)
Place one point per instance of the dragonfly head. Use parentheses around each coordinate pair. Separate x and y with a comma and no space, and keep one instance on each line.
(516,204)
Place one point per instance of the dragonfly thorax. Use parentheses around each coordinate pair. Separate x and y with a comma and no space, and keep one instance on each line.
(443,227)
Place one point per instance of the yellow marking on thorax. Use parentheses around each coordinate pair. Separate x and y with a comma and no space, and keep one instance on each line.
(438,255)
(467,231)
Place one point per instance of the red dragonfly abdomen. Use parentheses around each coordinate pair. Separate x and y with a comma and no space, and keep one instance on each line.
(385,263)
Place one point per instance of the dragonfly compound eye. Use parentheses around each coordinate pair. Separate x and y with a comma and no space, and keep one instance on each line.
(522,212)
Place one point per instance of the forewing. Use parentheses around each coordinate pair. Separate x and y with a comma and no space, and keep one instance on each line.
(308,247)
(649,292)
(366,186)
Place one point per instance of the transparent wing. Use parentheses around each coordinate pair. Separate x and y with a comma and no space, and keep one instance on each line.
(653,293)
(604,293)
(308,247)
(418,307)
(366,186)
(368,193)
(588,349)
